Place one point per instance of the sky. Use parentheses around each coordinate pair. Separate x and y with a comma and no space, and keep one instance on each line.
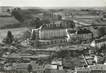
(54,3)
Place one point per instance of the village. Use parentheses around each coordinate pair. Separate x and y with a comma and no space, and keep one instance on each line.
(71,41)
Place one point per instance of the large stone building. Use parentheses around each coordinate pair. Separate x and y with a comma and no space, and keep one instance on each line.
(54,33)
(61,33)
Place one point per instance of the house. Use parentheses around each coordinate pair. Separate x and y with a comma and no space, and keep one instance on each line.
(99,68)
(82,70)
(98,43)
(71,63)
(99,59)
(54,68)
(89,59)
(23,66)
(80,35)
(58,63)
(84,34)
(54,71)
(20,66)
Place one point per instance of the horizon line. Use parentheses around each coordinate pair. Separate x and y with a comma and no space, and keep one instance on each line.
(54,7)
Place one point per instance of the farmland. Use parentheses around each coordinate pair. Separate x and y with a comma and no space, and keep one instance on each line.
(7,21)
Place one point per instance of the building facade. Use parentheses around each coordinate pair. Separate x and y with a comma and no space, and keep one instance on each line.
(98,43)
(52,34)
(79,35)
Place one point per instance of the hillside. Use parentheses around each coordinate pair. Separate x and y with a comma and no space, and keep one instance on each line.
(14,21)
(7,21)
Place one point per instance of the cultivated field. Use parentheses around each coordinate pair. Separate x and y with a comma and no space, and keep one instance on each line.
(7,21)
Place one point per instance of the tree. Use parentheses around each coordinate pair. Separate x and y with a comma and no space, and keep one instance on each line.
(102,49)
(102,31)
(29,68)
(26,34)
(9,38)
(62,54)
(59,17)
(17,13)
(45,21)
(36,22)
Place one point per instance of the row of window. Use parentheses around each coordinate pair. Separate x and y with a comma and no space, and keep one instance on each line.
(54,42)
(85,36)
(82,36)
(52,33)
(100,44)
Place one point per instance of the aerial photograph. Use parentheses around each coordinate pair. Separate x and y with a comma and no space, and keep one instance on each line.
(52,36)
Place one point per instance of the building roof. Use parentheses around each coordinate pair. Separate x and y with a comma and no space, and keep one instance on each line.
(92,67)
(59,25)
(83,31)
(71,31)
(98,67)
(72,62)
(104,37)
(100,40)
(82,69)
(20,65)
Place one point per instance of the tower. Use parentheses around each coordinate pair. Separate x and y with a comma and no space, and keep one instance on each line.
(35,38)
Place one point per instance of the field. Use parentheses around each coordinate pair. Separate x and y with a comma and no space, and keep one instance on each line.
(17,32)
(7,21)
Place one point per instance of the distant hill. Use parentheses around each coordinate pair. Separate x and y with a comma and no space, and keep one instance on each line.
(27,14)
(30,13)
